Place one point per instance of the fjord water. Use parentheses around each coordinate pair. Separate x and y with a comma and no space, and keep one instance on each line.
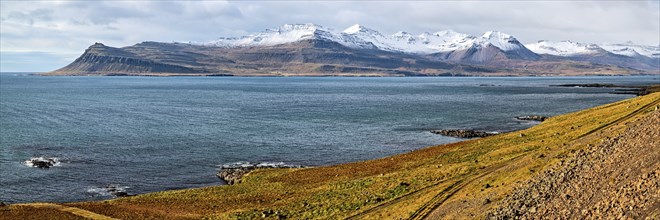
(148,134)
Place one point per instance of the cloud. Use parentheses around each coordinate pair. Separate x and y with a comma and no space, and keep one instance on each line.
(71,26)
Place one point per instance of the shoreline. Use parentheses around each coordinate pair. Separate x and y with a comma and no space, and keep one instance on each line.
(405,184)
(484,176)
(485,133)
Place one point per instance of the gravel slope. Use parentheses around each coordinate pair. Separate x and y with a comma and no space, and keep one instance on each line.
(619,178)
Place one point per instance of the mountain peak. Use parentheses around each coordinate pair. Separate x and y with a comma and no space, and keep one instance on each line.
(501,40)
(496,35)
(448,32)
(97,45)
(357,28)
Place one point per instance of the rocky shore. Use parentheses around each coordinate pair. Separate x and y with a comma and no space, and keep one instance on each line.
(638,90)
(233,173)
(619,178)
(463,133)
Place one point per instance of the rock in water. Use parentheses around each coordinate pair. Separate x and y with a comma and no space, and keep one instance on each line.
(532,118)
(42,162)
(463,133)
(117,191)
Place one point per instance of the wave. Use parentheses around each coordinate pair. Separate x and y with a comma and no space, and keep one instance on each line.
(244,164)
(109,190)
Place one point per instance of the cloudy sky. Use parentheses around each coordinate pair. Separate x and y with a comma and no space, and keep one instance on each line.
(43,36)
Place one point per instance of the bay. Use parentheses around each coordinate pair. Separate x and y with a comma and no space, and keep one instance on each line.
(146,134)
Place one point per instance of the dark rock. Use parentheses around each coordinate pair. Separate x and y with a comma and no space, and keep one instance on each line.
(461,133)
(532,118)
(117,191)
(41,162)
(121,194)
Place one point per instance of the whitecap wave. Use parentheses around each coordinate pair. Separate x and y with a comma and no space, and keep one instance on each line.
(43,162)
(109,190)
(244,164)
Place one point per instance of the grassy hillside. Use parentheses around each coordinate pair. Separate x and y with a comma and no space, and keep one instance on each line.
(462,179)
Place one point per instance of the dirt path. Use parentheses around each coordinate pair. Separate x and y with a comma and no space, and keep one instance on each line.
(72,210)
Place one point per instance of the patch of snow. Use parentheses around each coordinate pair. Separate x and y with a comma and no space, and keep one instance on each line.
(563,48)
(359,36)
(631,49)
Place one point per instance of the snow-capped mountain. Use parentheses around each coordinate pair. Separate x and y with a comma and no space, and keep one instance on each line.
(402,41)
(563,48)
(358,36)
(295,49)
(570,48)
(310,49)
(631,49)
(624,55)
(285,34)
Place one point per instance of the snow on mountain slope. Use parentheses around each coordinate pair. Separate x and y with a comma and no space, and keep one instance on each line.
(361,37)
(358,36)
(501,40)
(631,49)
(427,43)
(409,43)
(563,48)
(285,34)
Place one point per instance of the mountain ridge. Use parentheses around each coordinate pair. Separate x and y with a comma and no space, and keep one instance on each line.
(310,49)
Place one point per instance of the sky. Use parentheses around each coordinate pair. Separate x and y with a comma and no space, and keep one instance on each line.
(38,36)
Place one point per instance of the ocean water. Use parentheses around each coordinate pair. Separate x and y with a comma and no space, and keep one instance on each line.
(145,134)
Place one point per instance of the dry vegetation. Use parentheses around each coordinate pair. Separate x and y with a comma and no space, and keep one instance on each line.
(459,180)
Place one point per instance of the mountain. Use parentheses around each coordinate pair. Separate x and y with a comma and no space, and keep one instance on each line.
(310,49)
(624,55)
(631,49)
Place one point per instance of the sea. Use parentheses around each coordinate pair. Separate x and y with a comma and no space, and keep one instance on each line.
(147,134)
